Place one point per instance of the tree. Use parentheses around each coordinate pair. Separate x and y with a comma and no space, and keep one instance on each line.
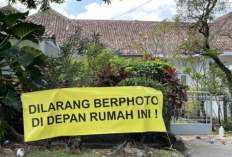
(63,71)
(205,76)
(78,62)
(162,39)
(18,65)
(44,4)
(196,16)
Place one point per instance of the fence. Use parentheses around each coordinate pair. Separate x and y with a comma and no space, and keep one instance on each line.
(195,116)
(221,108)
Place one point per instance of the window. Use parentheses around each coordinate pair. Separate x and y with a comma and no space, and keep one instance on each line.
(183,79)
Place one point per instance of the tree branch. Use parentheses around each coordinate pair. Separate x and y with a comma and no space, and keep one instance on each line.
(220,65)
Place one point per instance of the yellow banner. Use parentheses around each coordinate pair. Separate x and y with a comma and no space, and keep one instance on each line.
(86,111)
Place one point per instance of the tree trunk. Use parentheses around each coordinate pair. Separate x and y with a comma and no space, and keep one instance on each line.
(224,69)
(12,133)
(20,138)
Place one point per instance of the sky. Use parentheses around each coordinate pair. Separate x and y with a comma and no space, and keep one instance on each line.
(141,10)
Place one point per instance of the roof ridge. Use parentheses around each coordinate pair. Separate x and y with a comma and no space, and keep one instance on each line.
(10,6)
(59,14)
(54,11)
(114,20)
(223,16)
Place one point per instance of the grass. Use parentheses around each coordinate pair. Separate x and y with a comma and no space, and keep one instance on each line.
(226,133)
(181,121)
(163,153)
(92,153)
(59,153)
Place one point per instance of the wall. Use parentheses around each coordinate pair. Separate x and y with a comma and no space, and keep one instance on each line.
(47,46)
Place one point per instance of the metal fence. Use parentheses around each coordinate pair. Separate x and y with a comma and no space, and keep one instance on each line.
(195,116)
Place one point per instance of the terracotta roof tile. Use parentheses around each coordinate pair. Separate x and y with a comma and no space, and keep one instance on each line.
(8,9)
(54,23)
(223,39)
(117,34)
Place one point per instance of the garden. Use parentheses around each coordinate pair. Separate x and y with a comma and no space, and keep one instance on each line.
(27,69)
(85,62)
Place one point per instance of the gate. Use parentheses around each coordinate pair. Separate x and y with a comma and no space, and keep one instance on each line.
(195,116)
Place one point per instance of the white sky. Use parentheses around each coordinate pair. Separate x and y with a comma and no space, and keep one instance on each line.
(155,10)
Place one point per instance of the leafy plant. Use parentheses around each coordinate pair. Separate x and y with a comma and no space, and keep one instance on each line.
(153,69)
(109,76)
(175,94)
(3,130)
(63,71)
(18,65)
(141,81)
(227,125)
(76,142)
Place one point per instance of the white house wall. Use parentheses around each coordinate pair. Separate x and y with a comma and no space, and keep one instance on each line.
(49,48)
(227,59)
(216,103)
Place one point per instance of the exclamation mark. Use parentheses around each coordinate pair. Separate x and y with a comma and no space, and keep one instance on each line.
(156,113)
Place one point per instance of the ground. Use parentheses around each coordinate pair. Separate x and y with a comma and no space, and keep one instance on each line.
(200,146)
(58,150)
(196,146)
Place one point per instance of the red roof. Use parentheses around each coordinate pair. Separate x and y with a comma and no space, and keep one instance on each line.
(117,34)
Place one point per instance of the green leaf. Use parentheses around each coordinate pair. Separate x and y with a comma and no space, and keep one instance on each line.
(22,57)
(4,44)
(27,31)
(39,56)
(213,52)
(187,70)
(2,16)
(39,59)
(11,19)
(12,99)
(40,83)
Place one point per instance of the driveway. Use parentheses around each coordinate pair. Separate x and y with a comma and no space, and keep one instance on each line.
(200,146)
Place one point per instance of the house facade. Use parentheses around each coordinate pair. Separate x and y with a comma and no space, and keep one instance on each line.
(117,35)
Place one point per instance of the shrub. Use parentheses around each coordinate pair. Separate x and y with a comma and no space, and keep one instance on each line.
(142,81)
(227,125)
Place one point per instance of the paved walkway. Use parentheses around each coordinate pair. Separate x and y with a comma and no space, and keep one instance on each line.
(200,146)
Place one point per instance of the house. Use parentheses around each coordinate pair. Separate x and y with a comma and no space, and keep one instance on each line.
(117,34)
